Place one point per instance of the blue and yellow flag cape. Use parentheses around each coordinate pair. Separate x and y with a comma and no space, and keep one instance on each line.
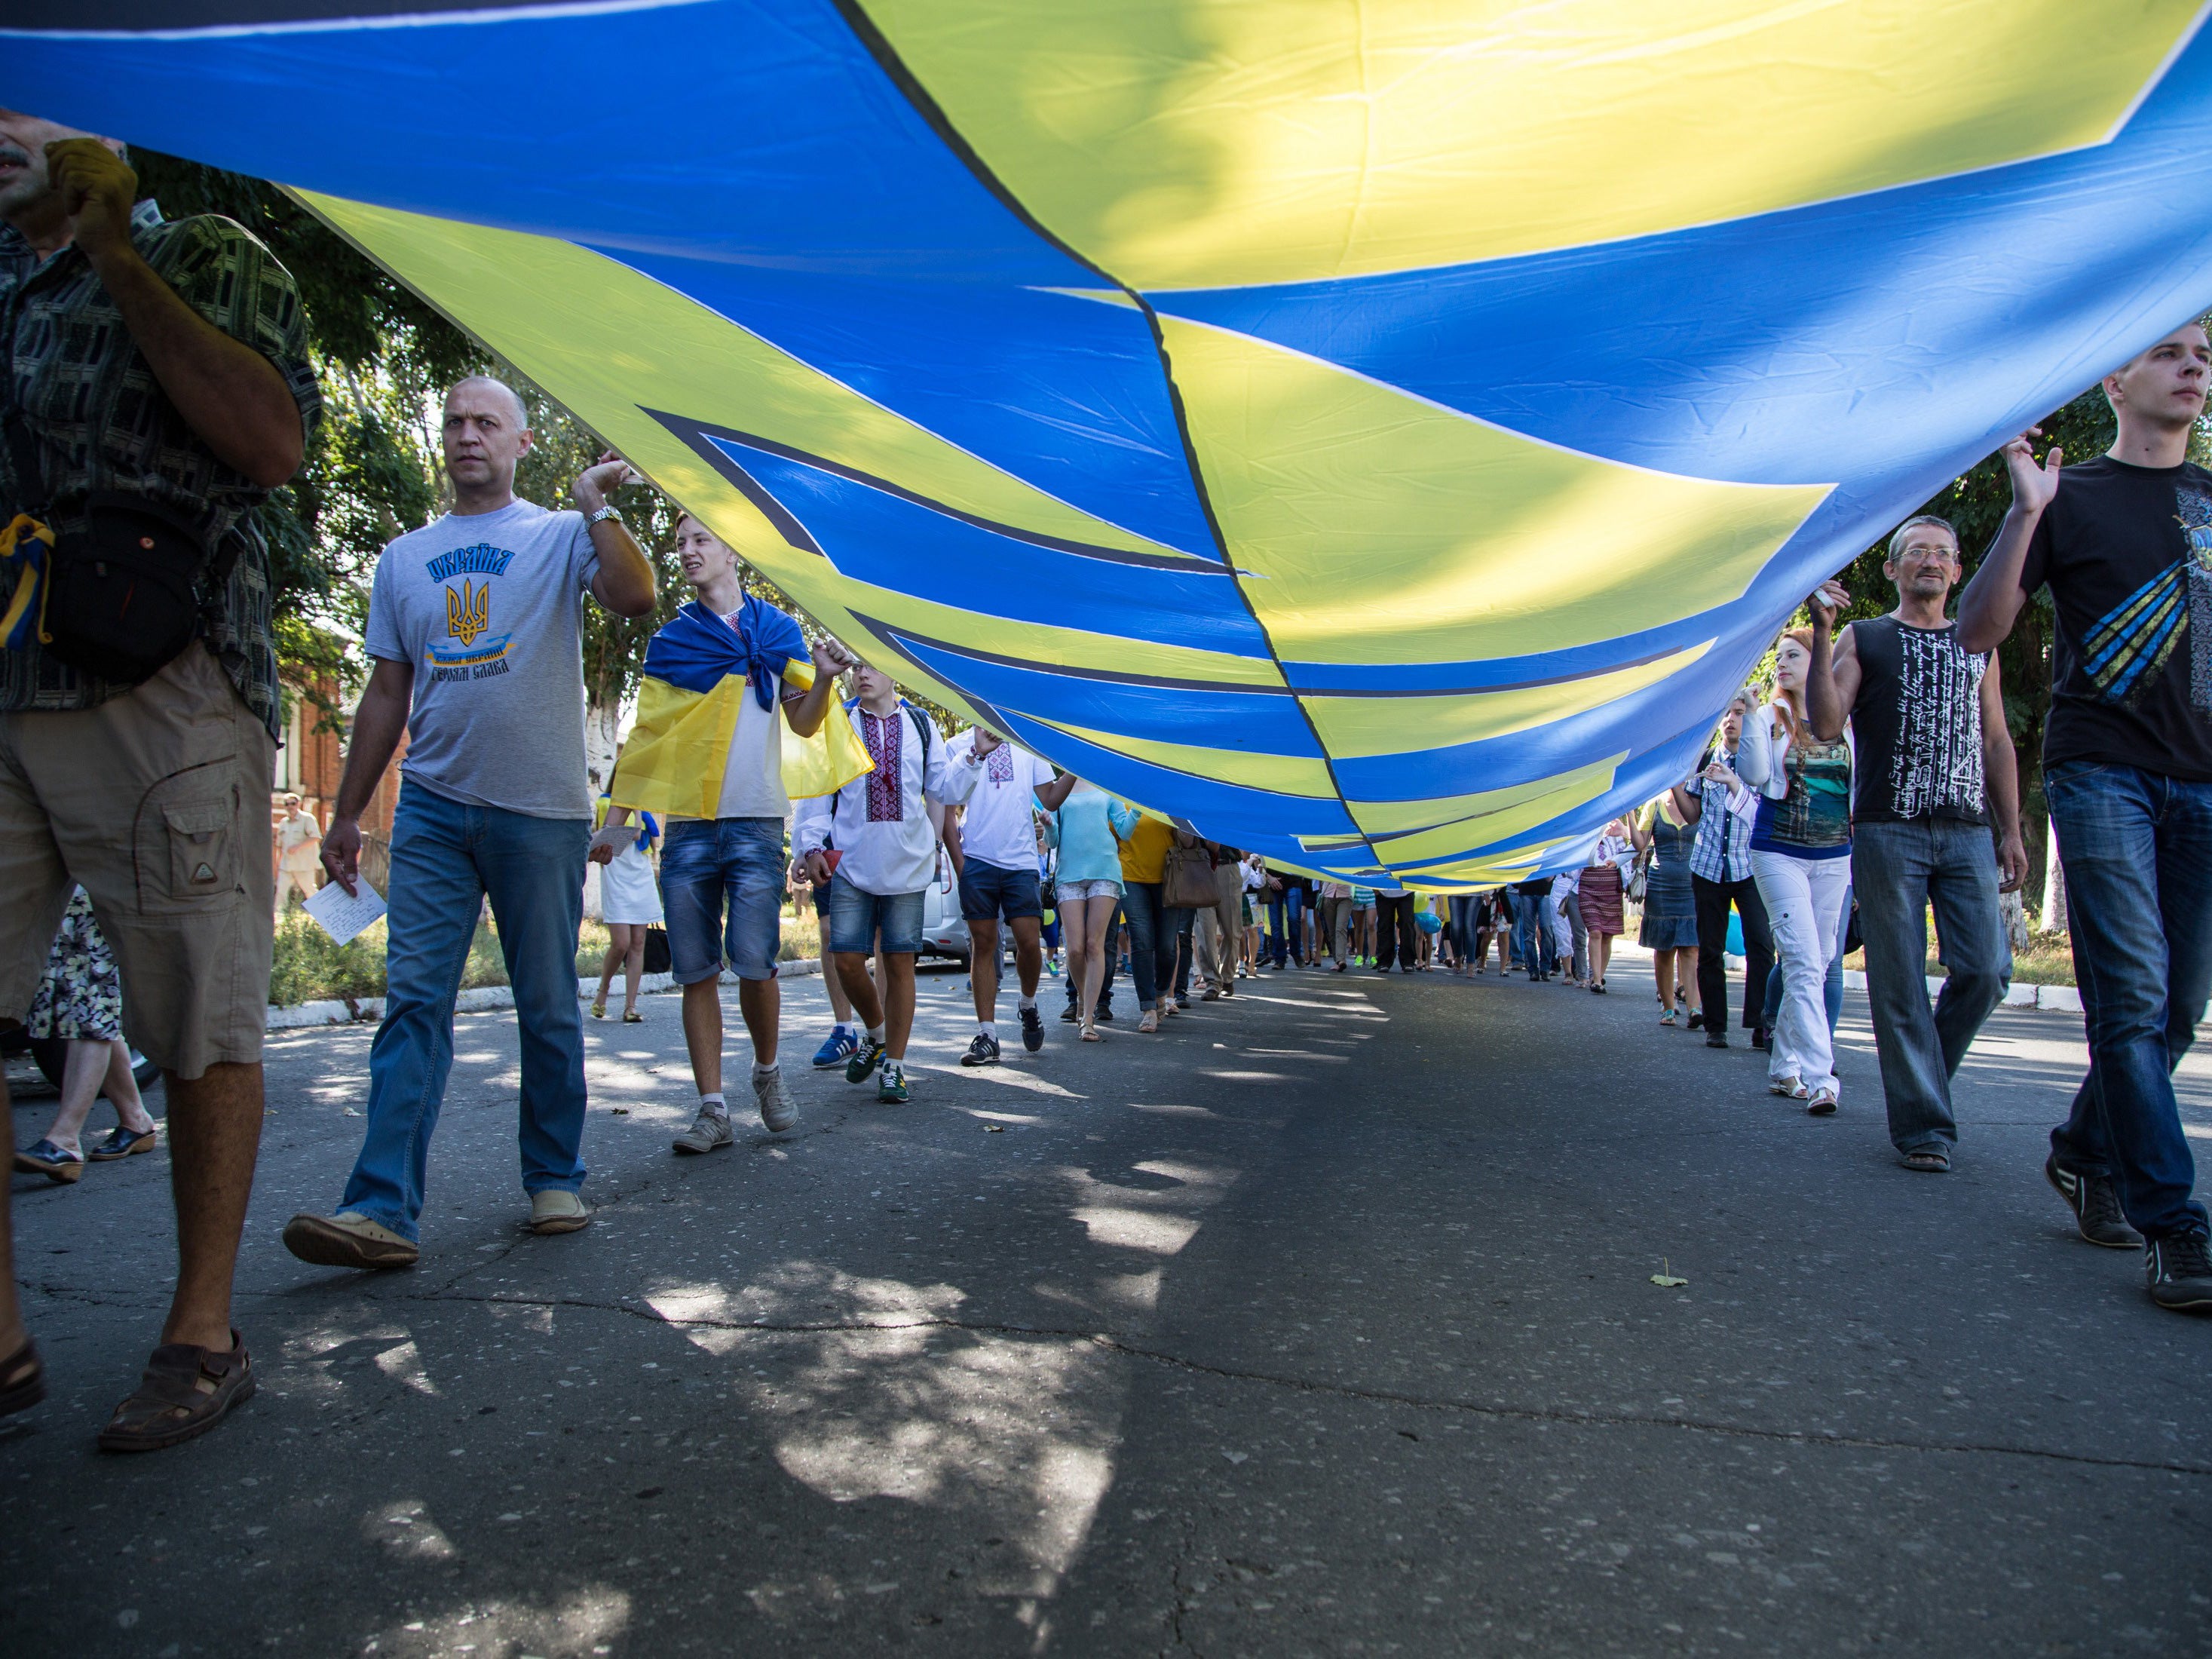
(696,669)
(24,545)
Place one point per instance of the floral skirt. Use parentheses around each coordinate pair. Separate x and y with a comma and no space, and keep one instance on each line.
(80,998)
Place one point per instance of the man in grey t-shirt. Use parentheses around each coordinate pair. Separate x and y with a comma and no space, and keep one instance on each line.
(474,627)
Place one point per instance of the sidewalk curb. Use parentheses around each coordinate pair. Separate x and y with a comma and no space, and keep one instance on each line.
(350,1010)
(2053,998)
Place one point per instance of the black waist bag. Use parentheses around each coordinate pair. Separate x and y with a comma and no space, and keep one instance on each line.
(121,600)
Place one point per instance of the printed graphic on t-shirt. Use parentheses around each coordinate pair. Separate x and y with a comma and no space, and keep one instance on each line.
(1936,762)
(469,650)
(1817,811)
(2130,644)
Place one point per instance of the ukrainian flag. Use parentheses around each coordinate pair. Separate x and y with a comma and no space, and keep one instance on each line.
(24,545)
(697,668)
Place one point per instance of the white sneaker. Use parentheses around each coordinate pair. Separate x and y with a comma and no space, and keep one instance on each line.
(776,1109)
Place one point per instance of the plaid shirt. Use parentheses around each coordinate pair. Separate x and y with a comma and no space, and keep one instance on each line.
(1721,851)
(101,421)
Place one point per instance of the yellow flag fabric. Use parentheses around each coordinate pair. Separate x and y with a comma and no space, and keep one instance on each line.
(674,759)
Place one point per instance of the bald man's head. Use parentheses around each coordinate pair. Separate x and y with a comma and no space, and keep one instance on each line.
(487,434)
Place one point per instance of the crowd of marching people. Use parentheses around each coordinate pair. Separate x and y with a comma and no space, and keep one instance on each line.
(1874,778)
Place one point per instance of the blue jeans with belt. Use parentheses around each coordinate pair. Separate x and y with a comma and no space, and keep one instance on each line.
(2136,848)
(446,859)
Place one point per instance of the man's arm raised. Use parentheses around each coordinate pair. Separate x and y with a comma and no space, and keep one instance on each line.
(231,396)
(377,725)
(1991,603)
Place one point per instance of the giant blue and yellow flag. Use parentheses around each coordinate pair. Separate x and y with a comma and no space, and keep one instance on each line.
(1381,434)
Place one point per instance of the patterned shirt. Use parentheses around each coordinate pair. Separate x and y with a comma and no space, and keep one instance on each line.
(882,733)
(1721,851)
(101,421)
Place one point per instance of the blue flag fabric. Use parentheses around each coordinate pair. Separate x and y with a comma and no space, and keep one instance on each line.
(697,649)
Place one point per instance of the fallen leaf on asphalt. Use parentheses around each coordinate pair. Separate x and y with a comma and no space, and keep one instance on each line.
(1664,1279)
(994,1128)
(620,1111)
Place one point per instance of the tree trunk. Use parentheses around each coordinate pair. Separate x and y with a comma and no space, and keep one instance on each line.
(2054,886)
(600,721)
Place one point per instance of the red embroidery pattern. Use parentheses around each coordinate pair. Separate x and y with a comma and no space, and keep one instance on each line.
(884,790)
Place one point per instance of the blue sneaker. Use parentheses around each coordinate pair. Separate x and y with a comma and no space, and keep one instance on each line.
(837,1048)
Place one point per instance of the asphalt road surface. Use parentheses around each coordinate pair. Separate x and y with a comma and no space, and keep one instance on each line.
(1322,1322)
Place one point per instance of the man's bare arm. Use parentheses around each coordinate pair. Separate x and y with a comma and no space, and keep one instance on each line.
(2001,777)
(232,396)
(1827,703)
(623,582)
(377,727)
(1991,603)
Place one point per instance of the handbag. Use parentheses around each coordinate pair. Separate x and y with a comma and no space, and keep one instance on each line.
(657,959)
(120,597)
(1639,878)
(1187,883)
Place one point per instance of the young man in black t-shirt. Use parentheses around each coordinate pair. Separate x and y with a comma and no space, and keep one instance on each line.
(2125,544)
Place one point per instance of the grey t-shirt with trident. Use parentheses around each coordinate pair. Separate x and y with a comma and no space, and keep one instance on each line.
(488,609)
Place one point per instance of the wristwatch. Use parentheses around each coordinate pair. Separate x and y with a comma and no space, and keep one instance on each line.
(605,513)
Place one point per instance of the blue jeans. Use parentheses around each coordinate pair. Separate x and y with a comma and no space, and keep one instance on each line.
(1152,941)
(1898,870)
(1532,932)
(721,888)
(446,858)
(857,918)
(1462,927)
(2136,848)
(1282,939)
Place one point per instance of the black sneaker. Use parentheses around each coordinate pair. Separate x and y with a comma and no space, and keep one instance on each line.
(2178,1269)
(1715,1037)
(2096,1205)
(1763,1038)
(983,1051)
(1696,1021)
(1105,1014)
(1033,1029)
(1068,1013)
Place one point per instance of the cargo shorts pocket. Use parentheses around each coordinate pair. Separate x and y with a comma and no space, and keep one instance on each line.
(189,847)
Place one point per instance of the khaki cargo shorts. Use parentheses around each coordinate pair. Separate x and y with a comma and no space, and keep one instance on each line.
(157,802)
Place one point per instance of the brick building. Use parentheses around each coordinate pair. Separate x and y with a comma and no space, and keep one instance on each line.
(309,764)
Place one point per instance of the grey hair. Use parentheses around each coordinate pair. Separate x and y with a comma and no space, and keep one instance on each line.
(1917,521)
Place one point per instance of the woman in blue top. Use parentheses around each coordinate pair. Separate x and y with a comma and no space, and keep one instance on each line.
(1800,857)
(1088,829)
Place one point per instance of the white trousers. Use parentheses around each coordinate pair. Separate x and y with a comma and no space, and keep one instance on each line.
(1804,900)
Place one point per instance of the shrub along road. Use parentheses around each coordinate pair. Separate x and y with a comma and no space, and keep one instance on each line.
(1323,1323)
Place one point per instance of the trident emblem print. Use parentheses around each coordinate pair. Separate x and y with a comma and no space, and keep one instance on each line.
(468,613)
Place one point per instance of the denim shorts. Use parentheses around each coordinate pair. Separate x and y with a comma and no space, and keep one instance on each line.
(706,865)
(988,892)
(854,916)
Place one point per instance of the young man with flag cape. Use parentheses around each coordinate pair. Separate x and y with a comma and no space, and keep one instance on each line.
(709,754)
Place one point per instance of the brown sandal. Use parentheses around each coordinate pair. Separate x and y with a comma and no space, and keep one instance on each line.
(22,1380)
(186,1392)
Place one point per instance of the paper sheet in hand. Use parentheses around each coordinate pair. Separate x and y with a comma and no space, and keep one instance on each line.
(343,917)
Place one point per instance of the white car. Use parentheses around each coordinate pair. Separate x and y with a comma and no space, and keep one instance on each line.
(943,933)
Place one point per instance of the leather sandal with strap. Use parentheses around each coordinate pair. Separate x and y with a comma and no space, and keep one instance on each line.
(186,1391)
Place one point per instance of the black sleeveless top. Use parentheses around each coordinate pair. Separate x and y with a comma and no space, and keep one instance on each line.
(1917,723)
